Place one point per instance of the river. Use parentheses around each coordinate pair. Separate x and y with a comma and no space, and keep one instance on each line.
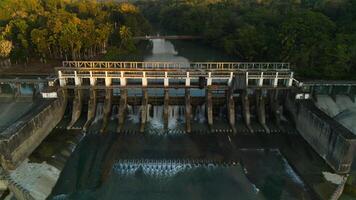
(174,166)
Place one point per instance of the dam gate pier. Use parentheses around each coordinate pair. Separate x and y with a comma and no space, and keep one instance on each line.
(247,85)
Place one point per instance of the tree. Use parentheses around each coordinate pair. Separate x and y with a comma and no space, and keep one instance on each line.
(39,39)
(126,39)
(5,48)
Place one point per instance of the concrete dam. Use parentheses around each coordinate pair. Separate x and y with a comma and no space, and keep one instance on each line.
(200,99)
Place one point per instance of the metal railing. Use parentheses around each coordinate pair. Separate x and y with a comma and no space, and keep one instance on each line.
(179,65)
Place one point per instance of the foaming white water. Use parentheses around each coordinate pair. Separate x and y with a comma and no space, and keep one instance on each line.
(156,120)
(134,113)
(163,51)
(200,114)
(99,114)
(157,168)
(176,116)
(161,46)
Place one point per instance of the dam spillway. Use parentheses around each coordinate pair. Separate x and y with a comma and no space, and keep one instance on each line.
(184,99)
(149,84)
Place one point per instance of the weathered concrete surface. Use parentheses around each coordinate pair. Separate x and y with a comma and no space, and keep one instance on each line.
(107,109)
(231,110)
(11,111)
(275,106)
(91,110)
(19,140)
(77,107)
(188,111)
(166,109)
(261,110)
(33,180)
(246,110)
(209,106)
(122,109)
(329,138)
(144,109)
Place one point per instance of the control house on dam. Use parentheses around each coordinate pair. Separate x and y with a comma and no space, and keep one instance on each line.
(237,105)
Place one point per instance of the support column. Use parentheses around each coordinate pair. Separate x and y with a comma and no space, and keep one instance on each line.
(107,110)
(18,90)
(349,93)
(144,109)
(246,110)
(166,109)
(188,111)
(231,110)
(77,107)
(122,109)
(62,81)
(276,111)
(35,91)
(332,92)
(91,109)
(209,106)
(261,110)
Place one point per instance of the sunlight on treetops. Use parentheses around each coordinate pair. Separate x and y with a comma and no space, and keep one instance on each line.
(128,8)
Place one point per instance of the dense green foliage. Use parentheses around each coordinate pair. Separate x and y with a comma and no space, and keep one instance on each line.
(64,29)
(318,37)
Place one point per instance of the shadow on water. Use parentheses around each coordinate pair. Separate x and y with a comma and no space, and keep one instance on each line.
(139,166)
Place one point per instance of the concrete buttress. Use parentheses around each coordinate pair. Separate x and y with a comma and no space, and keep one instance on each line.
(122,109)
(77,107)
(188,111)
(246,110)
(107,109)
(261,110)
(166,109)
(91,109)
(144,109)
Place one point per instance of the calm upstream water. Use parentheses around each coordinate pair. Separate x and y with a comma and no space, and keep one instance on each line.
(173,166)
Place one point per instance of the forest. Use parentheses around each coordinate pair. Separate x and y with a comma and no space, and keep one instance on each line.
(67,30)
(318,37)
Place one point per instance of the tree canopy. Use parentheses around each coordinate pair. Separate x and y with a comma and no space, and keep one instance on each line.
(318,37)
(64,29)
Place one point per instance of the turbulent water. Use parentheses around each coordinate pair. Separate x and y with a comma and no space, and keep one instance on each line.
(157,165)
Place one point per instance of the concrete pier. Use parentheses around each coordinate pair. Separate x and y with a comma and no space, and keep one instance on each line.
(275,107)
(261,110)
(107,109)
(122,109)
(246,110)
(17,89)
(91,109)
(166,109)
(144,109)
(188,111)
(77,107)
(231,110)
(209,106)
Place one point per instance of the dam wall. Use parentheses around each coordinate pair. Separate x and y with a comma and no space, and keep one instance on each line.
(331,140)
(19,140)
